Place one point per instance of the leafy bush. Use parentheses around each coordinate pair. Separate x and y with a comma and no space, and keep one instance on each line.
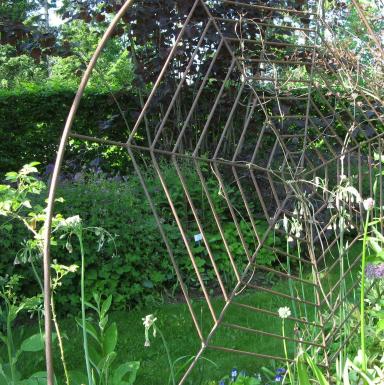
(32,120)
(135,266)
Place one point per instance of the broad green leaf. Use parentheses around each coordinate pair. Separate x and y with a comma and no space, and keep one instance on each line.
(39,378)
(106,305)
(27,204)
(34,343)
(88,304)
(95,357)
(11,176)
(361,373)
(110,339)
(91,330)
(106,362)
(378,234)
(123,370)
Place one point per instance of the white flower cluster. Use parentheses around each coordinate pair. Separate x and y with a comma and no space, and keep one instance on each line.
(284,312)
(70,222)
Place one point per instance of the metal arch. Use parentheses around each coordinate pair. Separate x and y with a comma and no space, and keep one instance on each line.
(53,187)
(321,300)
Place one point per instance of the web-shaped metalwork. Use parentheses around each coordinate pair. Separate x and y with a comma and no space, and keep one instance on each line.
(276,135)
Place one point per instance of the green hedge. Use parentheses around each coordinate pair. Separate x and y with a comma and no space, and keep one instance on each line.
(32,119)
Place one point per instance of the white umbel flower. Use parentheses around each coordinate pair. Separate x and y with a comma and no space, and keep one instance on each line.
(284,312)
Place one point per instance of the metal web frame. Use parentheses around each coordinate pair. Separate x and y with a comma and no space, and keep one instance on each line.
(293,160)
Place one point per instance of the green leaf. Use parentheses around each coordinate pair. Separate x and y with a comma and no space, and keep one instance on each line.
(121,371)
(107,361)
(302,371)
(33,164)
(106,305)
(77,378)
(34,343)
(110,339)
(39,378)
(11,176)
(91,330)
(316,371)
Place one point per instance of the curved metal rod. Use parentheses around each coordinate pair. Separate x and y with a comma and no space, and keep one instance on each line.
(53,187)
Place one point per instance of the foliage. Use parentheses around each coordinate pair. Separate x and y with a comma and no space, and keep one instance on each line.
(24,26)
(353,372)
(102,347)
(135,265)
(32,120)
(17,69)
(11,307)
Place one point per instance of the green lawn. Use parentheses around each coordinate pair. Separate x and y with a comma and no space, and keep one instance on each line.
(176,324)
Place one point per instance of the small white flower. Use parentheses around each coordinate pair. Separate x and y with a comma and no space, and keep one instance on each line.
(284,312)
(285,223)
(149,320)
(368,204)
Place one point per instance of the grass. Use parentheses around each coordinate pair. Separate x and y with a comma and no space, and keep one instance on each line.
(175,322)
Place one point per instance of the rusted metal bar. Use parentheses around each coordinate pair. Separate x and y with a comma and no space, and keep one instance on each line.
(371,33)
(275,314)
(240,164)
(269,43)
(283,295)
(266,8)
(243,352)
(53,188)
(181,83)
(268,25)
(268,334)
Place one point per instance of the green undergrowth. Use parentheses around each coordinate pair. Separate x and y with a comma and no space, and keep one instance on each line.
(176,324)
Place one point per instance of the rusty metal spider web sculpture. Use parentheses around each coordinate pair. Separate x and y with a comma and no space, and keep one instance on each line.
(285,140)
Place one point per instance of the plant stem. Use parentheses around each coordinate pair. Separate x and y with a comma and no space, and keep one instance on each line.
(36,274)
(286,352)
(362,291)
(10,344)
(168,355)
(85,337)
(60,341)
(290,283)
